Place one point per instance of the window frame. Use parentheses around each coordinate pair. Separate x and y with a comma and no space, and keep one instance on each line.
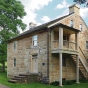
(35,40)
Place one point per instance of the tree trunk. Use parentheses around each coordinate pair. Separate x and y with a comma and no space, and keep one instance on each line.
(3,66)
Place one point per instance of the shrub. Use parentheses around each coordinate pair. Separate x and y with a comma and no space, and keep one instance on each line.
(83,80)
(67,82)
(64,82)
(55,83)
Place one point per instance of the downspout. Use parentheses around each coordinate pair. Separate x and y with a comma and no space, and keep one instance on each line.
(48,34)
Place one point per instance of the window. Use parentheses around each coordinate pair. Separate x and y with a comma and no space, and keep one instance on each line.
(34,56)
(64,61)
(80,27)
(65,40)
(64,37)
(71,23)
(15,62)
(35,40)
(15,45)
(86,44)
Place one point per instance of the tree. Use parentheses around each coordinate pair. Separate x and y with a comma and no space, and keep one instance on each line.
(81,2)
(11,14)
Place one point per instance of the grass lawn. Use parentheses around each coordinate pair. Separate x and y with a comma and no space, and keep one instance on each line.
(4,80)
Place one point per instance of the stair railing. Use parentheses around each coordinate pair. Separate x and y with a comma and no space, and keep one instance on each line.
(82,58)
(81,54)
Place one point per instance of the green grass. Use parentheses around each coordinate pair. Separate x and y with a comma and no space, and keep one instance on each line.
(4,80)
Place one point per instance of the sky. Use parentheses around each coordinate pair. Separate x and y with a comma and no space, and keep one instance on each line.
(42,11)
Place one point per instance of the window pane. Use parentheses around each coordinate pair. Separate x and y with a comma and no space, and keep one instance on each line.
(64,61)
(35,43)
(71,23)
(80,27)
(14,62)
(35,37)
(35,40)
(15,45)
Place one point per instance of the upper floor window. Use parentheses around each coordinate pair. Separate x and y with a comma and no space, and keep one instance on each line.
(15,45)
(80,27)
(64,37)
(35,40)
(71,23)
(86,44)
(14,62)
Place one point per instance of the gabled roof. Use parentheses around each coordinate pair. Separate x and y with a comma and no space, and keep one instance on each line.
(43,26)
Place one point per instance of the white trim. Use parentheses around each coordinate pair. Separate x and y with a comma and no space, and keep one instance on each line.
(59,21)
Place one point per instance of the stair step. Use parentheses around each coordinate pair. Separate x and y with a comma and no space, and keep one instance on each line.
(20,76)
(23,75)
(12,81)
(81,67)
(16,78)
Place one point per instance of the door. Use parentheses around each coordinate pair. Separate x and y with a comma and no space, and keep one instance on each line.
(35,63)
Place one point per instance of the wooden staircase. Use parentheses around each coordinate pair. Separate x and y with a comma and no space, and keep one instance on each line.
(24,78)
(82,66)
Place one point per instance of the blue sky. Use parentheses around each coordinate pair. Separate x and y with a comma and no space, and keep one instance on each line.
(42,11)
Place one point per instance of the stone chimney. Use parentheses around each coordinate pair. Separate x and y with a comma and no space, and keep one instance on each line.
(32,25)
(74,8)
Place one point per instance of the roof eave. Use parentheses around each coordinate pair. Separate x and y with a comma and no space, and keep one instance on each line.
(65,26)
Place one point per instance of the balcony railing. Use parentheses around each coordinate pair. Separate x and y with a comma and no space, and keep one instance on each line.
(66,45)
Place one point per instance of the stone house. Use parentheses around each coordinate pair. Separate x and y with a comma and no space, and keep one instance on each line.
(58,49)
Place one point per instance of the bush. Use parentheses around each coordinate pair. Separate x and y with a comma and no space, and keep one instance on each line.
(64,82)
(83,80)
(55,83)
(67,82)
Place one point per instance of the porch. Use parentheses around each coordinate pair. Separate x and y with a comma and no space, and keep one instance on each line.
(68,47)
(64,40)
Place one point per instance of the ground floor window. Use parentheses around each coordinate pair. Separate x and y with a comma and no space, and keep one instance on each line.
(14,62)
(64,61)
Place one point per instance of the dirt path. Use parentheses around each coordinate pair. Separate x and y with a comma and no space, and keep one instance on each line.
(2,86)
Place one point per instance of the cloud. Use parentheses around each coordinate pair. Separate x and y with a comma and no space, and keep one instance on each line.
(45,19)
(64,4)
(38,4)
(30,7)
(84,12)
(65,12)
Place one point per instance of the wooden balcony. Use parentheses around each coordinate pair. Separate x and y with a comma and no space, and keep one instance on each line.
(68,47)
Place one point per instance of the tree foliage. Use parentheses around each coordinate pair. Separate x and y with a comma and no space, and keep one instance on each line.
(11,14)
(81,2)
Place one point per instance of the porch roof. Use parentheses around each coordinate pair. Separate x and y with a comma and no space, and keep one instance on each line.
(68,29)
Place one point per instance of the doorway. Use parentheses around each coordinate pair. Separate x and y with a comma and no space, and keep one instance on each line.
(35,63)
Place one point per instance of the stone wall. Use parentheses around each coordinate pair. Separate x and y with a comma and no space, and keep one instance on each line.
(23,55)
(69,71)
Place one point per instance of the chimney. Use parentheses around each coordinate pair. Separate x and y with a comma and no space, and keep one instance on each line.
(32,25)
(74,8)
